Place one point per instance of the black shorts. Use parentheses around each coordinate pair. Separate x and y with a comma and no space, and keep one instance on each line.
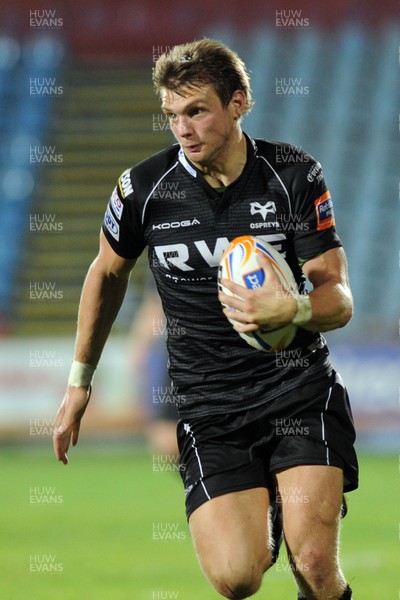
(231,452)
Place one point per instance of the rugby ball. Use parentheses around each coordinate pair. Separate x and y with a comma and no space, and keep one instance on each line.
(239,264)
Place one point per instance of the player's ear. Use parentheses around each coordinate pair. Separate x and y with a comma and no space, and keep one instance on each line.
(238,103)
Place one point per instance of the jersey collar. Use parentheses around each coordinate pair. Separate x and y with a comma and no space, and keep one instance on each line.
(186,164)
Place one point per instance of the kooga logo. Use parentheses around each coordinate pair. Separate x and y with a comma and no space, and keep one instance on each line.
(176,224)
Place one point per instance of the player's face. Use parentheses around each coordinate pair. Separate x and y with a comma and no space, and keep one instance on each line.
(204,128)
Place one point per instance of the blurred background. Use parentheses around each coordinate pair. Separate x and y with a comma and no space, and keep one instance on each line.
(76,109)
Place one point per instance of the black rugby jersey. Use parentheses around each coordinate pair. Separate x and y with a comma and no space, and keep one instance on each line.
(166,204)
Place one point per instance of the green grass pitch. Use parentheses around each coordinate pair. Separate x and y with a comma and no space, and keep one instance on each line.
(110,527)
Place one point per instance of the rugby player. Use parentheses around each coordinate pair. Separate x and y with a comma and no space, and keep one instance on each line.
(262,437)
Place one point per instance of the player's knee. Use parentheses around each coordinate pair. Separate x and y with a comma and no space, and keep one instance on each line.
(240,584)
(237,590)
(316,565)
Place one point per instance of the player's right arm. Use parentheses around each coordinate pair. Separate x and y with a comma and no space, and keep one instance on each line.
(102,295)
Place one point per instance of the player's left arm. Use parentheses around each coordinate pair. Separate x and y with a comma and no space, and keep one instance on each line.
(331,298)
(323,263)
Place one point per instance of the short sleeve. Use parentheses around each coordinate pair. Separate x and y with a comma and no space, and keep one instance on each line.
(122,219)
(313,212)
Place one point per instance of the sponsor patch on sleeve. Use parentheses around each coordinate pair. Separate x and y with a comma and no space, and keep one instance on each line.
(315,173)
(324,210)
(111,224)
(116,204)
(125,183)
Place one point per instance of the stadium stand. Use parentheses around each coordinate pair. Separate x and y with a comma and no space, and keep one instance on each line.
(102,126)
(25,116)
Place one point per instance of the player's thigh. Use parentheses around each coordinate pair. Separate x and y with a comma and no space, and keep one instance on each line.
(311,498)
(230,534)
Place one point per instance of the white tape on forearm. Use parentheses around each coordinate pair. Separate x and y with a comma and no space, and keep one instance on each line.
(304,311)
(80,374)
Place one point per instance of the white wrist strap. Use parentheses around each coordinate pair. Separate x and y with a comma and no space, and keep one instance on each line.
(81,374)
(304,311)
